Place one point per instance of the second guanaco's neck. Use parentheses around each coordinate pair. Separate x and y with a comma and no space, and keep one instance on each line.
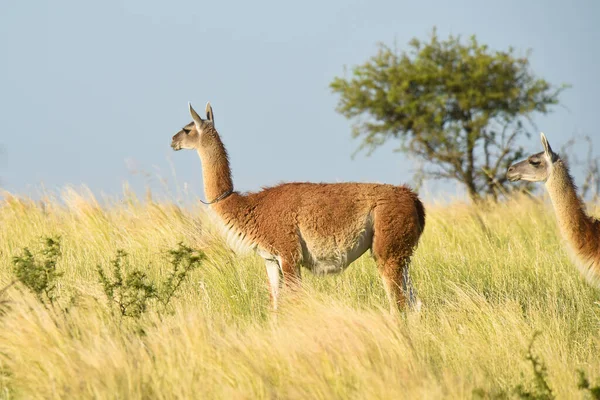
(569,209)
(216,172)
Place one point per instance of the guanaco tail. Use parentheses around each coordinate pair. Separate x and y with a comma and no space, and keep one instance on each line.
(579,230)
(321,226)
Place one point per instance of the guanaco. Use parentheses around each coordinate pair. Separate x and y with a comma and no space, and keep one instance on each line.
(321,226)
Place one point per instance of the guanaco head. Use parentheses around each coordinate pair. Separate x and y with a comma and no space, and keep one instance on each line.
(535,168)
(198,133)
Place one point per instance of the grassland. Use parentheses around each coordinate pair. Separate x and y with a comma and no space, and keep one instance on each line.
(488,277)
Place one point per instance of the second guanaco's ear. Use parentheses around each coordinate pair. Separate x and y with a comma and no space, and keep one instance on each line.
(209,113)
(195,116)
(547,148)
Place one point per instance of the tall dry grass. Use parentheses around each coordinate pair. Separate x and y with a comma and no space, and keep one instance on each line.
(488,277)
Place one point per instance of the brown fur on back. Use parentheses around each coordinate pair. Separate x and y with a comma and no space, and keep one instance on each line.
(329,213)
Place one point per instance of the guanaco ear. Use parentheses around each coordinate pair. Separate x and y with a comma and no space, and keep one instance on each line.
(195,116)
(209,113)
(547,148)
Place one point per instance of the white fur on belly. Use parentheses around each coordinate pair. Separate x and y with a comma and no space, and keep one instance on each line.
(339,259)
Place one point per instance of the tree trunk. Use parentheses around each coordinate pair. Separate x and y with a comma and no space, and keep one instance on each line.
(472,190)
(469,180)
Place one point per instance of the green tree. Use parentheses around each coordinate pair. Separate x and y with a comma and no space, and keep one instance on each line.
(458,107)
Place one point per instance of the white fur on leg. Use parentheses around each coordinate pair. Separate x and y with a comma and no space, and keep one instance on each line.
(414,303)
(273,272)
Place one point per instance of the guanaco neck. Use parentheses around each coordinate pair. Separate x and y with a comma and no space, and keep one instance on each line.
(216,172)
(575,225)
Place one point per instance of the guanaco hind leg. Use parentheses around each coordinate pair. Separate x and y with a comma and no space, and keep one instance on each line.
(393,245)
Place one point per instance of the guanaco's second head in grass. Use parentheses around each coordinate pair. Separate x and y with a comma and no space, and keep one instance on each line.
(197,134)
(537,167)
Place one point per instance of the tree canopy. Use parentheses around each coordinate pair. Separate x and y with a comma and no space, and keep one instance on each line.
(459,107)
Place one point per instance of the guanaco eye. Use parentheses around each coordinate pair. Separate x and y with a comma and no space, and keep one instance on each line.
(534,163)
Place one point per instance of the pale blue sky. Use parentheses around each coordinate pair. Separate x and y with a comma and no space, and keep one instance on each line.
(92,92)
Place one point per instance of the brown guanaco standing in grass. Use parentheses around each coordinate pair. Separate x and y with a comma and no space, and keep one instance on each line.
(580,231)
(321,226)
